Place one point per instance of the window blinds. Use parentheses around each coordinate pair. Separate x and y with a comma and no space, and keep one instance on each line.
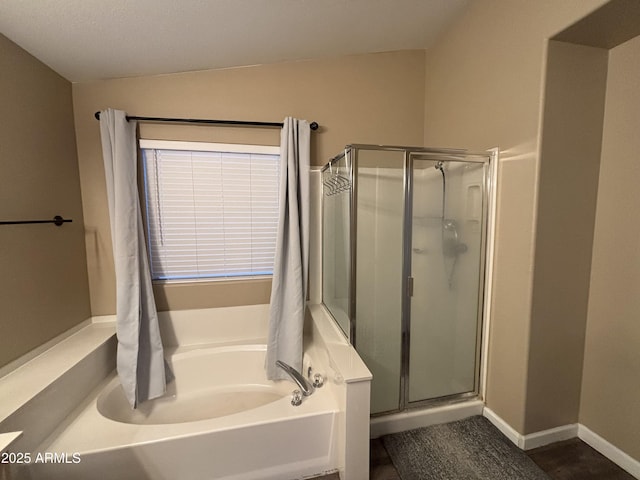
(212,210)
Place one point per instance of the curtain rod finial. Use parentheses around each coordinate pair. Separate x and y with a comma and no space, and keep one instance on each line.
(314,125)
(97,115)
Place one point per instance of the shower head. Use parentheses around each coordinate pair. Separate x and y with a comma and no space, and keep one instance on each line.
(450,225)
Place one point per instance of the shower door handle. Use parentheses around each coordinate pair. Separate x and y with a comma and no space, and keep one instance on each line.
(409,286)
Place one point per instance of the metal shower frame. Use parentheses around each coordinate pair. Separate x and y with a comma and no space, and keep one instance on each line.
(350,154)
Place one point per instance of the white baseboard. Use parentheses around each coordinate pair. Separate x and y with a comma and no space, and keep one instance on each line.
(553,435)
(533,440)
(610,451)
(565,432)
(507,430)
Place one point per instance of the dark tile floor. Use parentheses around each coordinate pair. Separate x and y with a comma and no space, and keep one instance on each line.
(575,460)
(380,466)
(569,460)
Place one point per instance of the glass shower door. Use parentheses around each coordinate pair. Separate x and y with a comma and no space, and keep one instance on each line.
(448,209)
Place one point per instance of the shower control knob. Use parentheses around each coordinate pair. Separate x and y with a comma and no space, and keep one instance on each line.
(296,398)
(318,380)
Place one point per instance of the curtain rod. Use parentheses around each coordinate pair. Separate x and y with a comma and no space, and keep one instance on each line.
(237,123)
(57,220)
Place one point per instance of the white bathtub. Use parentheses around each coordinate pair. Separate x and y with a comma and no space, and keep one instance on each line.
(184,437)
(209,383)
(221,419)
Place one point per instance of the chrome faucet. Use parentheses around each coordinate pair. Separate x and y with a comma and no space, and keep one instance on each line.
(304,385)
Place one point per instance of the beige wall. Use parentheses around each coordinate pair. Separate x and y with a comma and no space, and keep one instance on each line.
(574,94)
(564,332)
(610,386)
(484,87)
(375,98)
(43,286)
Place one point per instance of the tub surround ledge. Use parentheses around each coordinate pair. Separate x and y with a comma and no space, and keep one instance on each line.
(51,384)
(344,358)
(352,381)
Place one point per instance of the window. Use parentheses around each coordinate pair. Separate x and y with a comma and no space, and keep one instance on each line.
(212,209)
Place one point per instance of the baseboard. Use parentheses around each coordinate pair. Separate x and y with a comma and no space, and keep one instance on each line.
(609,450)
(506,429)
(553,435)
(533,440)
(565,432)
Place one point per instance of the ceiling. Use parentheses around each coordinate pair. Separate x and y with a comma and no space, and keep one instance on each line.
(86,40)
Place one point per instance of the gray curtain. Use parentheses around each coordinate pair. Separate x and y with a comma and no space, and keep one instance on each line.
(140,357)
(290,271)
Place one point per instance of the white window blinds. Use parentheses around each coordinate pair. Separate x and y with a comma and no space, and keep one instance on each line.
(212,209)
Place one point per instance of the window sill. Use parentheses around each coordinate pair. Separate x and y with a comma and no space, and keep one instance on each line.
(213,281)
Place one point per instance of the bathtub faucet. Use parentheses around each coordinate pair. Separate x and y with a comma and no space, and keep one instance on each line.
(303,383)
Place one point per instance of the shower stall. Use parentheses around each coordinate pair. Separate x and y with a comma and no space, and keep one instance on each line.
(404,240)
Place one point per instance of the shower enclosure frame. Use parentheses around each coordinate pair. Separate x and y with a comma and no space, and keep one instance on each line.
(350,154)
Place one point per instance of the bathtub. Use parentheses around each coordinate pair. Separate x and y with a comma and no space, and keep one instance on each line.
(221,418)
(209,383)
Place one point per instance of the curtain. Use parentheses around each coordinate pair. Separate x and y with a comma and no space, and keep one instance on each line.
(140,356)
(289,285)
